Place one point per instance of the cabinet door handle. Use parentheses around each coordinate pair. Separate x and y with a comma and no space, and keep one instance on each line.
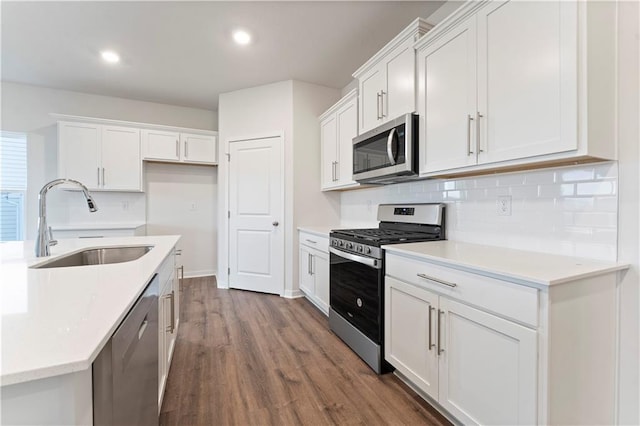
(309,263)
(440,349)
(337,171)
(98,176)
(431,345)
(378,96)
(173,311)
(469,120)
(447,283)
(177,149)
(382,114)
(103,180)
(478,117)
(181,268)
(186,149)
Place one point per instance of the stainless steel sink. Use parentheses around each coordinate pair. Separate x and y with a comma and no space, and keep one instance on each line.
(97,256)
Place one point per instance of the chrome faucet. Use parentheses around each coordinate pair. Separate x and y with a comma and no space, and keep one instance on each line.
(45,239)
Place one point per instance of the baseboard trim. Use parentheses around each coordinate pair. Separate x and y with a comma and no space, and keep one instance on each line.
(202,273)
(292,294)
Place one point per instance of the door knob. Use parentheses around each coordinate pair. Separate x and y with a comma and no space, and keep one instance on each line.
(275,223)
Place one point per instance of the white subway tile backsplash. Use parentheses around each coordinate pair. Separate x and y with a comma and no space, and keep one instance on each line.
(597,188)
(569,210)
(576,175)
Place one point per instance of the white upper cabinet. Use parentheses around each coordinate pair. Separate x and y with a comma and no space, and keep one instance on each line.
(198,148)
(161,145)
(448,107)
(527,79)
(121,162)
(338,127)
(387,81)
(104,158)
(504,84)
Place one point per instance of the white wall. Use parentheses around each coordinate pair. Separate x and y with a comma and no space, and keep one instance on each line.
(182,199)
(27,109)
(269,110)
(629,209)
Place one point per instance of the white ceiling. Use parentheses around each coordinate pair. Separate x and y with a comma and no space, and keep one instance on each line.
(181,52)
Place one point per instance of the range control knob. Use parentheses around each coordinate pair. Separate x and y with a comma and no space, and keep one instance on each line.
(368,250)
(341,243)
(360,248)
(349,245)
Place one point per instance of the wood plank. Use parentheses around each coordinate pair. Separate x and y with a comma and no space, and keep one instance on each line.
(246,358)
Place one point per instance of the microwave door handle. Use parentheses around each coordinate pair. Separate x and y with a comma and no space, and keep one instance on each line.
(392,160)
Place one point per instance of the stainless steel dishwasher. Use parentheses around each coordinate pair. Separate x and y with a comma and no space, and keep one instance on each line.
(125,373)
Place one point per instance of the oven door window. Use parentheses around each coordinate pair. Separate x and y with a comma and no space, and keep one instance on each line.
(380,151)
(356,294)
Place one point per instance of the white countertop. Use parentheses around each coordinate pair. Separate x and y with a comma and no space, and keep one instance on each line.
(321,231)
(92,226)
(520,266)
(56,321)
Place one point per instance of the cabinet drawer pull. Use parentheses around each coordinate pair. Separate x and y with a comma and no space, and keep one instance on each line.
(469,120)
(311,241)
(440,349)
(431,345)
(447,283)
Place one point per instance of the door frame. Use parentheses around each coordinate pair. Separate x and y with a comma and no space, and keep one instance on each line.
(223,162)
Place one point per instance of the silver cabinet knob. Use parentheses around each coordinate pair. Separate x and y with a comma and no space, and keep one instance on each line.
(276,223)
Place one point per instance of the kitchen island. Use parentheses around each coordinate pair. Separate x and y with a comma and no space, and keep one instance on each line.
(55,322)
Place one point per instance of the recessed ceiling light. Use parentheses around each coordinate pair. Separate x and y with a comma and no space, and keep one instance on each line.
(110,56)
(242,37)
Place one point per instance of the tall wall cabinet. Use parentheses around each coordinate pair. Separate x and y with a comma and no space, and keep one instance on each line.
(504,83)
(338,127)
(386,82)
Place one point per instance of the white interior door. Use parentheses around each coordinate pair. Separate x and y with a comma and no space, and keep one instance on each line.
(256,205)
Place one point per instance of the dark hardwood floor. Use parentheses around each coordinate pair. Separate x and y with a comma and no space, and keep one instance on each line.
(246,358)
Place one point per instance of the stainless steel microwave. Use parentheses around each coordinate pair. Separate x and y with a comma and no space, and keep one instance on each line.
(388,153)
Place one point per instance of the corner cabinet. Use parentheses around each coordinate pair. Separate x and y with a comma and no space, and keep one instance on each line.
(169,318)
(102,157)
(504,83)
(338,127)
(386,83)
(314,269)
(178,147)
(485,349)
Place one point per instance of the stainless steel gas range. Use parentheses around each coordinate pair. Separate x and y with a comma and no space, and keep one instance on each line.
(357,274)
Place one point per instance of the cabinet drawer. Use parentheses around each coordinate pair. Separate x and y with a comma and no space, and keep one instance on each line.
(314,241)
(501,297)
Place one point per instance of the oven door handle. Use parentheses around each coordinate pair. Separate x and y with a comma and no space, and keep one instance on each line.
(374,263)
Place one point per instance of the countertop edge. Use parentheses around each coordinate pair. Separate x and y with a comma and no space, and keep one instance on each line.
(321,231)
(504,275)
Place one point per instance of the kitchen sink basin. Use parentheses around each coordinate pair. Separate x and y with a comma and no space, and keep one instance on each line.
(97,256)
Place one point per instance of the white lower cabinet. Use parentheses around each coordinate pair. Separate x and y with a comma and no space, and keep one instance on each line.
(314,269)
(489,348)
(479,367)
(168,314)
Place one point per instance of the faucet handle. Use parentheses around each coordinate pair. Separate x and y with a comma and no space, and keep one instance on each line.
(52,242)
